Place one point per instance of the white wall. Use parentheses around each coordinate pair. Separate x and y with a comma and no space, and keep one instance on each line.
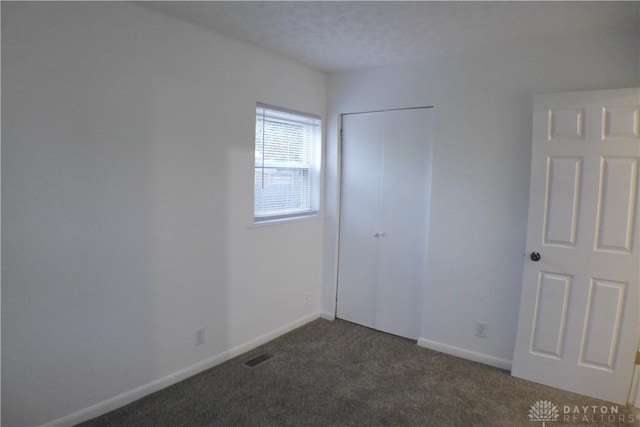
(127,191)
(481,163)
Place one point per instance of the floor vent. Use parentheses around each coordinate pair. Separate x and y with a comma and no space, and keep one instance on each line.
(255,361)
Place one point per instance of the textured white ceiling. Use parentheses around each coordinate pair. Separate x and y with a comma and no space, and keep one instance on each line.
(340,35)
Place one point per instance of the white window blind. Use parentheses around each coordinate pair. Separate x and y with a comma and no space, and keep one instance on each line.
(287,164)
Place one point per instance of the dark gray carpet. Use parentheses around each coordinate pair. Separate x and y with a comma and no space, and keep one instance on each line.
(341,374)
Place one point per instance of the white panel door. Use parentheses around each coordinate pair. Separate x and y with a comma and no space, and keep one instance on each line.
(579,323)
(384,219)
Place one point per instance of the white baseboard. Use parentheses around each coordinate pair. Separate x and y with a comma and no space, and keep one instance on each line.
(327,315)
(125,398)
(465,353)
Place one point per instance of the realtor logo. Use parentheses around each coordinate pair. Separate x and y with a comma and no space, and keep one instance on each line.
(543,410)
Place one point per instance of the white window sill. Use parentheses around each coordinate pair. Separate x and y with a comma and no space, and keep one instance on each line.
(282,221)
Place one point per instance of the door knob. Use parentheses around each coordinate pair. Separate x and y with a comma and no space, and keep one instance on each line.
(535,256)
(380,234)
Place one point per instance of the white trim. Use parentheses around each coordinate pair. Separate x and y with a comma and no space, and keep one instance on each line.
(328,316)
(288,111)
(465,354)
(634,394)
(333,303)
(317,217)
(288,220)
(127,397)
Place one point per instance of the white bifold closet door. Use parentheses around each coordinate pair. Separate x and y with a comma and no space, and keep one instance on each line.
(385,192)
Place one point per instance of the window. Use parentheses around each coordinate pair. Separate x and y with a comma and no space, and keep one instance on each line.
(287,164)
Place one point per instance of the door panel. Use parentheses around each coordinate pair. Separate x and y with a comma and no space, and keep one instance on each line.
(404,221)
(562,200)
(579,324)
(549,323)
(616,204)
(602,325)
(360,216)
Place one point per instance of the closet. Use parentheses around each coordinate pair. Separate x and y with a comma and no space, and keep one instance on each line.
(384,218)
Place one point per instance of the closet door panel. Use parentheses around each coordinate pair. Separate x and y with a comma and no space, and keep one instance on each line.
(404,219)
(361,198)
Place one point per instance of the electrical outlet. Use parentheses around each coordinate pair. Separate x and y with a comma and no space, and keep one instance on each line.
(481,329)
(199,336)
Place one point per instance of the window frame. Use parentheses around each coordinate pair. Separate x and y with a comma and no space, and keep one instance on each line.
(314,168)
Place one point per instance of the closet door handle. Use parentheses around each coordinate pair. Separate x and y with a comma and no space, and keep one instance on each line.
(380,234)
